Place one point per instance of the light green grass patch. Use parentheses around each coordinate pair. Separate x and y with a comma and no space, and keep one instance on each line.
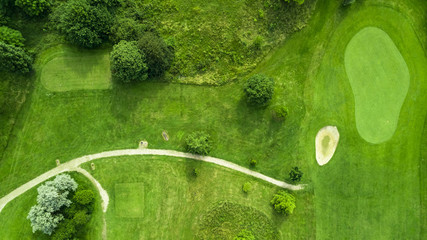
(77,70)
(379,78)
(129,199)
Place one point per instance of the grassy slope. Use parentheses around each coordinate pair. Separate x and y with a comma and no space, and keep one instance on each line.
(14,223)
(174,200)
(73,69)
(366,191)
(379,78)
(423,183)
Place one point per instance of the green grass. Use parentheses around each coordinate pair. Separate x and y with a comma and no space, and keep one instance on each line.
(73,69)
(379,79)
(178,205)
(129,200)
(368,191)
(423,183)
(14,223)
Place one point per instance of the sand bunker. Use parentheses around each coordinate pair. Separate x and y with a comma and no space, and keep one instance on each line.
(326,143)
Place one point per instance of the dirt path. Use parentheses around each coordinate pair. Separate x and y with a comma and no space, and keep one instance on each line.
(73,165)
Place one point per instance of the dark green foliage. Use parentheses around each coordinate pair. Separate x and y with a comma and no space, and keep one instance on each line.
(66,230)
(11,36)
(228,220)
(128,63)
(126,29)
(83,24)
(159,57)
(253,162)
(259,89)
(34,7)
(84,197)
(14,59)
(244,235)
(295,174)
(195,172)
(283,202)
(280,112)
(297,1)
(81,218)
(348,2)
(198,143)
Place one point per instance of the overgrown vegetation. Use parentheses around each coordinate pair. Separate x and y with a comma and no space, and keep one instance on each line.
(198,142)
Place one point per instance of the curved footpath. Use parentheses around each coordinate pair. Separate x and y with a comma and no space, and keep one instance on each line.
(74,164)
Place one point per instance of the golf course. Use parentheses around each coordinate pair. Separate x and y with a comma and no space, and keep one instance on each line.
(235,120)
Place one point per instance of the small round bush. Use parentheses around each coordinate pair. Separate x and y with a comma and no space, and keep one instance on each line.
(158,55)
(253,162)
(128,63)
(247,187)
(280,112)
(195,172)
(283,202)
(84,197)
(259,89)
(198,143)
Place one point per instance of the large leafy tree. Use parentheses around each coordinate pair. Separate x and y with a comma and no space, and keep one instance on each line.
(283,202)
(83,24)
(34,7)
(128,63)
(11,36)
(14,59)
(158,55)
(259,89)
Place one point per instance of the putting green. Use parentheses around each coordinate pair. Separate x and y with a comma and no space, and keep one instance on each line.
(379,78)
(129,200)
(77,70)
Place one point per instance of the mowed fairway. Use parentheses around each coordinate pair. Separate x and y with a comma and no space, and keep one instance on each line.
(174,203)
(72,69)
(379,79)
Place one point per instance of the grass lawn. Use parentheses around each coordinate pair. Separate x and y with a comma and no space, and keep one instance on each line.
(72,69)
(176,204)
(14,223)
(379,79)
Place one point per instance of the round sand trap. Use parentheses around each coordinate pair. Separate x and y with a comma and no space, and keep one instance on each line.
(326,143)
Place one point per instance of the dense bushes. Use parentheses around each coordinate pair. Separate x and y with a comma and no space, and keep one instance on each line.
(198,143)
(126,29)
(128,63)
(11,36)
(159,57)
(295,174)
(259,89)
(283,202)
(14,59)
(83,24)
(34,7)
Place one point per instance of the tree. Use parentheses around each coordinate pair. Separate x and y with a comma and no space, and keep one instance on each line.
(11,36)
(247,187)
(14,59)
(295,174)
(43,220)
(259,89)
(283,202)
(51,199)
(126,29)
(65,230)
(84,197)
(244,235)
(64,182)
(297,1)
(34,7)
(83,24)
(128,63)
(159,57)
(198,142)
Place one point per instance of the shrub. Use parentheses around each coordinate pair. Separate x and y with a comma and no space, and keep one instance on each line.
(159,57)
(280,112)
(126,29)
(247,187)
(66,230)
(283,202)
(11,36)
(253,162)
(14,59)
(348,2)
(34,7)
(244,235)
(195,172)
(297,1)
(81,23)
(295,174)
(259,89)
(258,42)
(198,143)
(81,218)
(128,63)
(84,197)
